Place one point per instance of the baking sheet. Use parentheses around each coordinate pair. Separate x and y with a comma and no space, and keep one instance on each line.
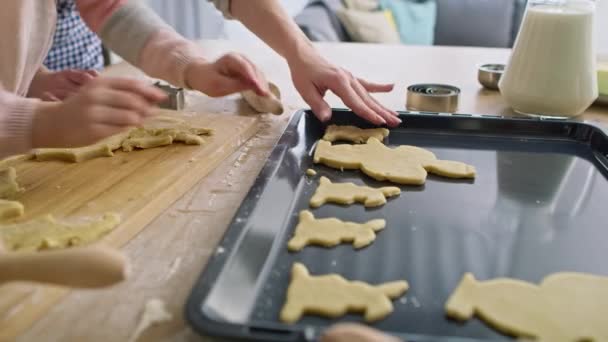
(536,207)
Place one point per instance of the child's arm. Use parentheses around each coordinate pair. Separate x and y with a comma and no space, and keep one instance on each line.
(137,34)
(16,116)
(58,85)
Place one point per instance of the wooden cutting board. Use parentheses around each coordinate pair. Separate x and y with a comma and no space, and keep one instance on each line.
(138,185)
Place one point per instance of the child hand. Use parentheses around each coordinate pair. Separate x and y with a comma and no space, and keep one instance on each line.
(232,73)
(103,107)
(58,85)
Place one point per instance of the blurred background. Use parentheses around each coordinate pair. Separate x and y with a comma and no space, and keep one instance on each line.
(488,23)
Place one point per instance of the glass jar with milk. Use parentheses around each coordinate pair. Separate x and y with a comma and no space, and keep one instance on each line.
(552,70)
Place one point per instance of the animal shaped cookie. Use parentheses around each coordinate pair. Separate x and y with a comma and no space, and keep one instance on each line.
(349,193)
(354,134)
(333,296)
(403,164)
(564,307)
(331,232)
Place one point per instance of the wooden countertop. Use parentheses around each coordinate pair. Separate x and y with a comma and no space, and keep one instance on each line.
(169,254)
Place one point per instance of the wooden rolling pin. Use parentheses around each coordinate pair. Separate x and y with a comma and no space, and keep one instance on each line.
(81,267)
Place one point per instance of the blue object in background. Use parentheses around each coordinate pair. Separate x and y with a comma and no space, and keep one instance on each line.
(415,19)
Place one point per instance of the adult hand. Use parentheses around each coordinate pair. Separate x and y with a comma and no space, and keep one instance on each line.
(313,76)
(105,106)
(58,85)
(231,73)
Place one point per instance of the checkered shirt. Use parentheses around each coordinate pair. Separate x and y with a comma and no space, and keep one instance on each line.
(75,46)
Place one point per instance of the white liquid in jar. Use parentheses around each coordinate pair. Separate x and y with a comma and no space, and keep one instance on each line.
(552,69)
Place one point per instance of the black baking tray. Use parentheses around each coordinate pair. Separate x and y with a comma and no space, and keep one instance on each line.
(537,206)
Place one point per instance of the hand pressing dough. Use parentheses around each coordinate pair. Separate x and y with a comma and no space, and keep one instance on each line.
(354,134)
(265,104)
(333,296)
(402,165)
(349,193)
(48,233)
(564,307)
(10,209)
(9,188)
(331,232)
(155,312)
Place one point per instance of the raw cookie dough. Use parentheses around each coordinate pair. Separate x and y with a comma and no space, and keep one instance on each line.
(333,296)
(73,155)
(564,307)
(141,138)
(331,232)
(9,188)
(153,137)
(269,104)
(403,164)
(349,193)
(155,312)
(47,233)
(354,134)
(10,209)
(311,172)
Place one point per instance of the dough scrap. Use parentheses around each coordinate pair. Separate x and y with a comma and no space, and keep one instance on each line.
(155,312)
(10,209)
(136,138)
(349,193)
(333,296)
(354,134)
(48,233)
(9,188)
(403,164)
(269,104)
(311,172)
(330,232)
(566,306)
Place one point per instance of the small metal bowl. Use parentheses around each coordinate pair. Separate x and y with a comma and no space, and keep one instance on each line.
(489,75)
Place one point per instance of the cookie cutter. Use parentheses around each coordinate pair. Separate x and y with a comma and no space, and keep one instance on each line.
(440,98)
(175,97)
(488,75)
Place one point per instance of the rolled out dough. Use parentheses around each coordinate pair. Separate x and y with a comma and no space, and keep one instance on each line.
(137,138)
(564,307)
(349,193)
(48,233)
(331,232)
(269,104)
(354,134)
(9,187)
(403,164)
(333,296)
(10,209)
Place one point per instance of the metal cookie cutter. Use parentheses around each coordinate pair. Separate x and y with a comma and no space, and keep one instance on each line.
(440,98)
(175,97)
(489,75)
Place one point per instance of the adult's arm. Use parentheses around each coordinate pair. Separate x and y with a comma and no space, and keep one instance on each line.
(312,74)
